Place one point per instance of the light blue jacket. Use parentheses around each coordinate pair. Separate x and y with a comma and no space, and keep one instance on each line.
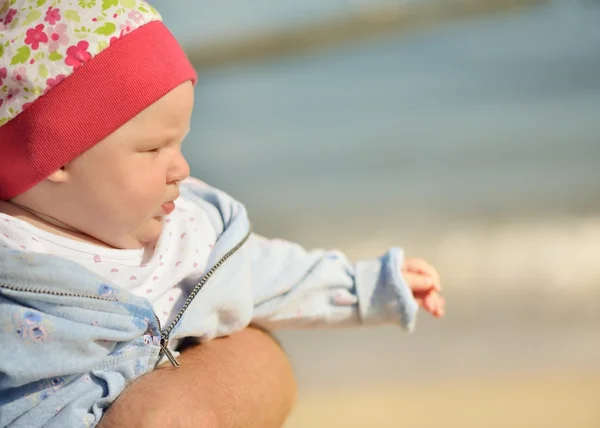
(70,342)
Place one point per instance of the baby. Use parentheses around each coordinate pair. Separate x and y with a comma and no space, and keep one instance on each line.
(110,254)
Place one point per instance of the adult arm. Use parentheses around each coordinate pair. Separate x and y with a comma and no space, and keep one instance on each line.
(244,380)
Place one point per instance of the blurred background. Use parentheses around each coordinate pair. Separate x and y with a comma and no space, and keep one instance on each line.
(465,131)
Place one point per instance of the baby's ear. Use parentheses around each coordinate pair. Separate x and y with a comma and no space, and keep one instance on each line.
(58,176)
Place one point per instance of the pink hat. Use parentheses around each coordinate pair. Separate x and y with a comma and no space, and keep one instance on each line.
(71,74)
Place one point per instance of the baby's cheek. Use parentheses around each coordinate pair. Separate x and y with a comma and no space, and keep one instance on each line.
(136,209)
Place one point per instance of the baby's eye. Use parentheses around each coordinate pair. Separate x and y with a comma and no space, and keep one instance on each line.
(155,147)
(155,150)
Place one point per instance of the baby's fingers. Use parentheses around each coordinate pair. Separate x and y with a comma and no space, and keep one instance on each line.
(438,306)
(419,283)
(433,303)
(422,267)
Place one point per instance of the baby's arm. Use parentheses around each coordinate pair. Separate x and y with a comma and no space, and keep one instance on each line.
(294,288)
(298,288)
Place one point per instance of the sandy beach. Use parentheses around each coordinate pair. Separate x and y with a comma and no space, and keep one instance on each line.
(497,360)
(561,400)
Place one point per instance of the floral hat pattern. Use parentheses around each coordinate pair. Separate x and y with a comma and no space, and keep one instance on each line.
(44,41)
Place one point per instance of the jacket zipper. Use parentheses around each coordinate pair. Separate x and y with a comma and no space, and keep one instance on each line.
(165,334)
(77,295)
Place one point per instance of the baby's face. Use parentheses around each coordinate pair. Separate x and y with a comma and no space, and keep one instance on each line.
(116,192)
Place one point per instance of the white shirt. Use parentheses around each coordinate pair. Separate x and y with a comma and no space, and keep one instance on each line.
(164,275)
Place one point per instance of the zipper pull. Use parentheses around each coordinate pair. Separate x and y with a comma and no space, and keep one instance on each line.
(168,353)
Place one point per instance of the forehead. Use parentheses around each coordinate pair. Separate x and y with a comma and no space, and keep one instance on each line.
(171,111)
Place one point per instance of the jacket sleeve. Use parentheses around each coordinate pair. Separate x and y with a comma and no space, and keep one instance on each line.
(70,344)
(297,288)
(294,288)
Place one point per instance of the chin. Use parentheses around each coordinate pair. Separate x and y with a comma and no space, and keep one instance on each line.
(151,231)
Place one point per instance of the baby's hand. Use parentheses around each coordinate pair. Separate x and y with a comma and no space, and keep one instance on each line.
(424,282)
